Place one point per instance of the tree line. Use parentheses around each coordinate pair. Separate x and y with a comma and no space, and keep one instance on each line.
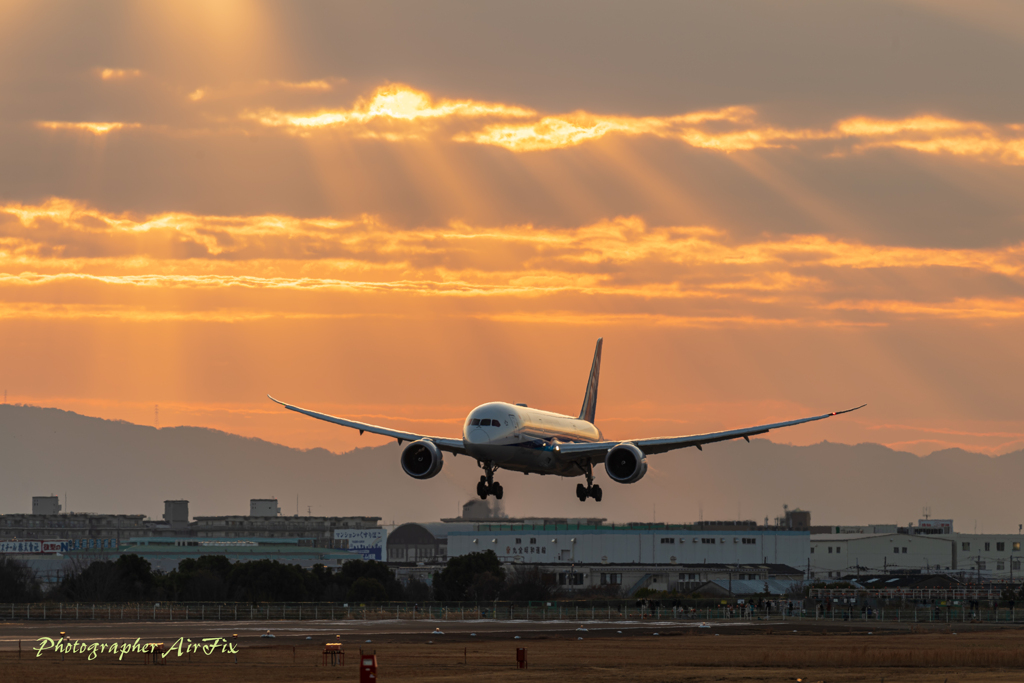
(477,577)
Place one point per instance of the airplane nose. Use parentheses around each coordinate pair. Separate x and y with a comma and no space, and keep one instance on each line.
(476,435)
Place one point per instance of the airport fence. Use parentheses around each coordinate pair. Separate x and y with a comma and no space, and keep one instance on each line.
(553,610)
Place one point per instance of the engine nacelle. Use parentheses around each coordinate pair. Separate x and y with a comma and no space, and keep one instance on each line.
(422,459)
(625,463)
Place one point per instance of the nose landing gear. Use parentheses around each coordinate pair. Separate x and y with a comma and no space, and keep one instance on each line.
(591,490)
(487,486)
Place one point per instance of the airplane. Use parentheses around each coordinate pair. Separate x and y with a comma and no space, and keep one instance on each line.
(518,438)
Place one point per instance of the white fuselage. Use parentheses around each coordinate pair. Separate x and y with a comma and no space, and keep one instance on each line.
(525,439)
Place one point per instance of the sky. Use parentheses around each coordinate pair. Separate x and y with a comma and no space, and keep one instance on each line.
(396,211)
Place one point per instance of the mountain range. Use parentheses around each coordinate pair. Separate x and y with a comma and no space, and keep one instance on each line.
(110,466)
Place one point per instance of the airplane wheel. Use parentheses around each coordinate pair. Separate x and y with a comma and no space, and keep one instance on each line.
(481,489)
(498,491)
(596,493)
(581,492)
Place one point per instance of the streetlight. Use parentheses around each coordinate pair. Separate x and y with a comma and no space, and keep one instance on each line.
(63,636)
(235,637)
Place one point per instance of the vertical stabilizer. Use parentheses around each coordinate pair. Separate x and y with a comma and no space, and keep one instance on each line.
(590,398)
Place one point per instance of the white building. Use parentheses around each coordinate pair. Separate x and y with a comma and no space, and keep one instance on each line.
(835,555)
(635,544)
(988,556)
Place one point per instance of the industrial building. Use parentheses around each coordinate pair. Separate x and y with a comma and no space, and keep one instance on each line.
(91,531)
(651,544)
(588,553)
(993,556)
(571,552)
(837,555)
(164,554)
(931,546)
(74,525)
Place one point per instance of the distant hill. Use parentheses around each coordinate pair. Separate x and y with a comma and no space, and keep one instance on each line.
(113,466)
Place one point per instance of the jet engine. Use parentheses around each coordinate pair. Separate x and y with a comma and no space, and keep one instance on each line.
(625,463)
(422,459)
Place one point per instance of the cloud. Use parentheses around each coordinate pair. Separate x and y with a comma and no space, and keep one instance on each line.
(414,114)
(316,85)
(118,74)
(619,269)
(389,103)
(94,127)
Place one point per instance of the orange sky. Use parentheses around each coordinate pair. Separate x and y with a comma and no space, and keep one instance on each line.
(394,215)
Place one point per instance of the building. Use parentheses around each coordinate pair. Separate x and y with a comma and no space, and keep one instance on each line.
(45,505)
(685,578)
(836,555)
(988,556)
(421,544)
(176,513)
(856,529)
(264,507)
(647,544)
(314,531)
(82,526)
(164,554)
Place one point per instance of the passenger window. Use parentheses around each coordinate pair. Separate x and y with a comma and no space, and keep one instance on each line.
(475,421)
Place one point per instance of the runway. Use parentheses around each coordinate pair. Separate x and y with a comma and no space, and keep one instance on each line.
(250,633)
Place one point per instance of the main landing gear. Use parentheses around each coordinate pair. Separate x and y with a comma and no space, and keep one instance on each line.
(591,490)
(487,485)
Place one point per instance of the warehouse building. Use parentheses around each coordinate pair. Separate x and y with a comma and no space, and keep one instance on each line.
(164,554)
(988,556)
(836,555)
(649,544)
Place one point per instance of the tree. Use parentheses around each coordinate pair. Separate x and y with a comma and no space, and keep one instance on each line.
(462,578)
(135,576)
(202,578)
(367,590)
(270,581)
(130,577)
(354,570)
(17,582)
(417,591)
(526,582)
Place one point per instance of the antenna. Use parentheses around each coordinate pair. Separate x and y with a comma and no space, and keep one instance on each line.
(926,511)
(309,510)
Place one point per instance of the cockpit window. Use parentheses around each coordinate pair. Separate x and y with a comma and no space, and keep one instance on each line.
(475,422)
(485,423)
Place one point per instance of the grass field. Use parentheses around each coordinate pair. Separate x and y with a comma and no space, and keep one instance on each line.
(749,654)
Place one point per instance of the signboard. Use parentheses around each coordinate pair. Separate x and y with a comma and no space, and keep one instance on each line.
(370,543)
(21,547)
(34,546)
(946,525)
(92,544)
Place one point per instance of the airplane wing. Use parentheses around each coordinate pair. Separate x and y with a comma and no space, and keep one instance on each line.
(445,444)
(596,451)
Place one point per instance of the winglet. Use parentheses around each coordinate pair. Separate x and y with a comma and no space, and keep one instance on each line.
(590,398)
(849,410)
(281,403)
